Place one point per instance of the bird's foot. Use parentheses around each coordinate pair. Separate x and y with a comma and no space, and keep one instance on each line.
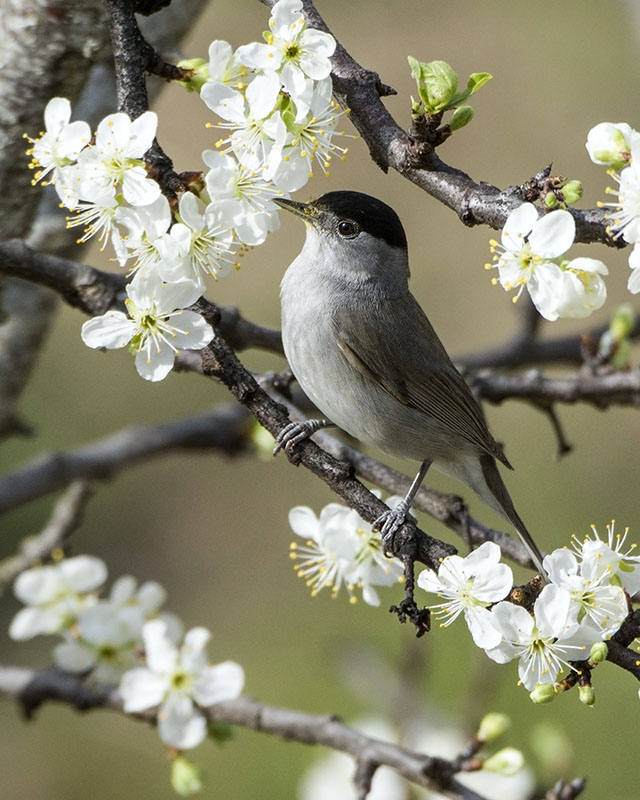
(388,524)
(296,432)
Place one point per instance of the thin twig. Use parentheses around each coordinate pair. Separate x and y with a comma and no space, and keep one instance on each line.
(65,518)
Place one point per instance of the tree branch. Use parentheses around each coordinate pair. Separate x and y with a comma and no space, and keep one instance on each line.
(33,688)
(225,429)
(65,518)
(94,292)
(390,146)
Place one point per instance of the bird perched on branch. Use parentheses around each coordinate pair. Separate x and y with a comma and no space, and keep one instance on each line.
(364,352)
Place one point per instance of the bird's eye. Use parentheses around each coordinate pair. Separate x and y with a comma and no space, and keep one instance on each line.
(348,229)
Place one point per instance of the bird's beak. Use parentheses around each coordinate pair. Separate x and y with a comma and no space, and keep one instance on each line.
(307,211)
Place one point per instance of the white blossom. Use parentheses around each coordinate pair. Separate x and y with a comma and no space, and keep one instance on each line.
(115,160)
(256,142)
(60,145)
(529,256)
(156,326)
(224,66)
(297,54)
(104,642)
(469,585)
(341,550)
(55,595)
(310,141)
(545,642)
(592,596)
(242,196)
(611,556)
(178,681)
(610,143)
(204,243)
(147,227)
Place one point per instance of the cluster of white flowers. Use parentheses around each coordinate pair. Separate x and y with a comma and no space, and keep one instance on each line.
(617,146)
(125,638)
(341,549)
(531,254)
(584,604)
(275,100)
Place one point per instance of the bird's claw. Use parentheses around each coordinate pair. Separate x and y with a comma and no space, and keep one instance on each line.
(388,524)
(289,436)
(296,432)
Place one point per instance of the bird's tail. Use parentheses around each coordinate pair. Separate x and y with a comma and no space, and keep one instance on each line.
(504,505)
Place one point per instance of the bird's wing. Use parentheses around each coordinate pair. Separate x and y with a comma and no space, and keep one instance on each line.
(400,351)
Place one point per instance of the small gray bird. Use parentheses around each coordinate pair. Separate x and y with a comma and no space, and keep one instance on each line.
(364,352)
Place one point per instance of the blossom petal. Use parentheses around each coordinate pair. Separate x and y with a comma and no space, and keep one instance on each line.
(141,689)
(83,573)
(552,610)
(111,330)
(221,682)
(155,363)
(180,724)
(73,657)
(160,652)
(518,226)
(553,234)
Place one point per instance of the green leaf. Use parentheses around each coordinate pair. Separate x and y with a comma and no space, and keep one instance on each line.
(478,79)
(437,83)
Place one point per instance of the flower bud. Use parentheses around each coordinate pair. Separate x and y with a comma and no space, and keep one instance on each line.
(598,652)
(544,693)
(622,322)
(587,695)
(550,200)
(200,69)
(506,761)
(572,191)
(461,116)
(186,778)
(492,726)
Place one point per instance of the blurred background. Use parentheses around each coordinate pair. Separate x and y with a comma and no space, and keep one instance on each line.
(214,531)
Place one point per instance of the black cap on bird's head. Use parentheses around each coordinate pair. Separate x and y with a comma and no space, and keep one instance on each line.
(349,214)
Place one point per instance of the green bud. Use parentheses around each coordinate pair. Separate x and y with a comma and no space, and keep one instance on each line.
(506,761)
(492,726)
(186,778)
(587,695)
(598,652)
(461,116)
(200,75)
(262,440)
(550,200)
(572,191)
(544,693)
(288,113)
(553,748)
(619,157)
(622,322)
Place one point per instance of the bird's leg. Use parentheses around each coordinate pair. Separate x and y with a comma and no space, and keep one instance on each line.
(295,432)
(389,522)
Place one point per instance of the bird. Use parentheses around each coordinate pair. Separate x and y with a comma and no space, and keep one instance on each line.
(364,352)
